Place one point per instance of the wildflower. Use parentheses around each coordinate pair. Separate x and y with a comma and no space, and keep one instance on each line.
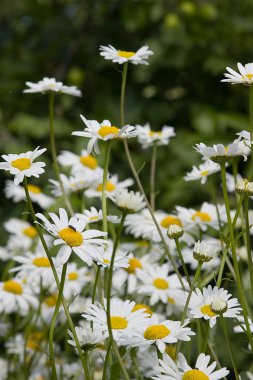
(168,369)
(147,137)
(122,56)
(128,201)
(104,131)
(23,165)
(88,338)
(220,153)
(71,235)
(77,162)
(175,231)
(219,305)
(104,256)
(202,172)
(244,187)
(94,216)
(245,75)
(203,252)
(112,186)
(76,279)
(51,85)
(23,232)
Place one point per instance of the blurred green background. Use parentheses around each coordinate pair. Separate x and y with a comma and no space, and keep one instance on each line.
(193,42)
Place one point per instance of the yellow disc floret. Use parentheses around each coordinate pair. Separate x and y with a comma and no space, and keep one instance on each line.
(71,237)
(21,163)
(109,187)
(204,173)
(146,309)
(249,76)
(41,262)
(12,286)
(31,232)
(160,283)
(108,130)
(118,323)
(203,216)
(156,332)
(34,189)
(195,374)
(155,134)
(206,309)
(73,276)
(89,161)
(169,220)
(133,265)
(50,301)
(126,54)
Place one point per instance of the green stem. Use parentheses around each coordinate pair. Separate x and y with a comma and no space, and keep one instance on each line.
(152,176)
(225,331)
(105,175)
(122,95)
(54,154)
(238,210)
(234,256)
(43,242)
(135,364)
(53,322)
(106,360)
(251,128)
(247,233)
(182,261)
(206,336)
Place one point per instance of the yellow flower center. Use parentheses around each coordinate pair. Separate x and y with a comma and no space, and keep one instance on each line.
(12,286)
(109,187)
(51,300)
(249,76)
(155,134)
(89,161)
(204,173)
(195,374)
(126,54)
(21,163)
(41,262)
(206,309)
(71,237)
(171,301)
(156,332)
(203,216)
(31,232)
(118,323)
(106,261)
(140,306)
(73,276)
(108,130)
(169,220)
(133,265)
(34,189)
(142,243)
(160,283)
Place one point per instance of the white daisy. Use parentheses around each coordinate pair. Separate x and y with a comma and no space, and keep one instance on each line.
(51,85)
(206,266)
(169,370)
(201,301)
(128,201)
(122,56)
(104,131)
(245,75)
(220,153)
(124,321)
(88,338)
(94,216)
(23,165)
(241,327)
(23,232)
(202,172)
(112,185)
(82,161)
(76,280)
(104,257)
(147,137)
(203,252)
(70,233)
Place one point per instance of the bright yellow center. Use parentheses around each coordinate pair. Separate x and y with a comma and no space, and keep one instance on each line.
(126,54)
(171,301)
(51,300)
(41,262)
(109,187)
(31,232)
(160,283)
(156,332)
(206,309)
(169,220)
(12,286)
(195,374)
(108,130)
(133,265)
(71,237)
(34,189)
(140,306)
(204,173)
(73,276)
(154,134)
(118,323)
(106,261)
(89,161)
(21,163)
(203,216)
(249,76)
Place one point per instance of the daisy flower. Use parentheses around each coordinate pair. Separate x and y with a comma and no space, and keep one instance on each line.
(71,235)
(88,338)
(201,304)
(104,257)
(17,194)
(124,321)
(112,185)
(147,137)
(94,216)
(202,172)
(128,201)
(15,296)
(241,327)
(206,266)
(23,165)
(82,161)
(245,75)
(76,280)
(169,370)
(203,252)
(51,85)
(122,56)
(220,153)
(104,131)
(23,232)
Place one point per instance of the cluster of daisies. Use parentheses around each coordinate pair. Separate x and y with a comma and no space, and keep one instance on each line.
(125,290)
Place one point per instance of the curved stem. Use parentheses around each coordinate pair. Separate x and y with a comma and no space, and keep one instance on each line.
(247,233)
(43,242)
(225,331)
(105,175)
(152,176)
(54,154)
(53,322)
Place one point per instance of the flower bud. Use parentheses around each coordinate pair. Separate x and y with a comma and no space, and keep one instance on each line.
(174,231)
(203,252)
(244,187)
(219,305)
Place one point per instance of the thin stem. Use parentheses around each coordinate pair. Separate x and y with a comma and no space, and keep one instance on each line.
(182,261)
(206,336)
(106,360)
(53,322)
(43,242)
(122,95)
(251,128)
(233,249)
(54,154)
(135,364)
(105,175)
(225,331)
(238,210)
(222,265)
(247,233)
(152,176)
